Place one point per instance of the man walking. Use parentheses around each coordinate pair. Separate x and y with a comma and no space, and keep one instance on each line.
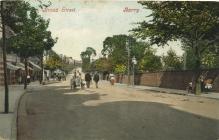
(87,79)
(96,79)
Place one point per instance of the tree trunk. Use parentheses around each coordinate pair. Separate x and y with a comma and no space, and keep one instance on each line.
(4,59)
(196,82)
(196,79)
(41,73)
(26,73)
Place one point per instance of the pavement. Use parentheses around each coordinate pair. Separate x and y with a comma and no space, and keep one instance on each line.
(8,121)
(212,95)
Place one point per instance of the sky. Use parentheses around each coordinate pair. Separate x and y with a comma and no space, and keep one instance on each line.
(81,24)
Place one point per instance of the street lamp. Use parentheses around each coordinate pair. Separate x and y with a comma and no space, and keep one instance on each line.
(134,62)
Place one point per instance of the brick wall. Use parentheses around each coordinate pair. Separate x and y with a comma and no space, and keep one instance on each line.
(169,79)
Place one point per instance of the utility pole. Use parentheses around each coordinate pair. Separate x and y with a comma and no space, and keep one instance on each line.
(184,57)
(4,58)
(128,49)
(133,74)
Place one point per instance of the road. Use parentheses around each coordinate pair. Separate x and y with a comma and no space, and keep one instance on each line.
(54,112)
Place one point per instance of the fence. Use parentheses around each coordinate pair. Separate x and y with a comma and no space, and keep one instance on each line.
(170,79)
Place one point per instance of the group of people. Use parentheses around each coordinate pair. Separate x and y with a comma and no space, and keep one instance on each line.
(88,79)
(77,80)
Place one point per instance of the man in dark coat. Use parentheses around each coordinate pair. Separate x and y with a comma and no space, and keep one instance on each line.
(87,79)
(96,79)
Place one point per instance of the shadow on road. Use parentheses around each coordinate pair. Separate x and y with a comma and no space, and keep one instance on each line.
(59,113)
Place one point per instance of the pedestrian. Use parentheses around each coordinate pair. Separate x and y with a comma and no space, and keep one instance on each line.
(112,79)
(28,79)
(96,79)
(202,83)
(72,82)
(107,77)
(87,79)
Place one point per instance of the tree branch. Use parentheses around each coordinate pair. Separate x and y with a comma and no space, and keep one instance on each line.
(207,45)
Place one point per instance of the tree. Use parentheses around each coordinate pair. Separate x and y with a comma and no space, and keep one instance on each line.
(3,27)
(48,43)
(146,58)
(120,68)
(194,23)
(32,37)
(150,62)
(172,61)
(53,61)
(189,59)
(86,58)
(115,48)
(210,59)
(103,65)
(91,51)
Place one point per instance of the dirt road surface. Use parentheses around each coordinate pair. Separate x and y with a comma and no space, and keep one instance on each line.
(55,112)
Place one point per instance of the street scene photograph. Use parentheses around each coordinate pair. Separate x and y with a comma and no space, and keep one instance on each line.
(109,70)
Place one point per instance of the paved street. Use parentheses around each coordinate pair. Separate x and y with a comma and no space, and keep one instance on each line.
(54,112)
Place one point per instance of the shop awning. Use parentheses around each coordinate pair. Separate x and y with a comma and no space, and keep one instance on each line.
(20,66)
(35,65)
(12,67)
(23,66)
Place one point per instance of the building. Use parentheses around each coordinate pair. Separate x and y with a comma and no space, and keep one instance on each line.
(16,69)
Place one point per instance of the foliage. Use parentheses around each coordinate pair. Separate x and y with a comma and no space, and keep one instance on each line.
(88,53)
(120,68)
(86,58)
(53,61)
(195,23)
(179,20)
(150,62)
(139,50)
(190,57)
(31,33)
(32,37)
(103,64)
(172,61)
(9,13)
(210,59)
(115,48)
